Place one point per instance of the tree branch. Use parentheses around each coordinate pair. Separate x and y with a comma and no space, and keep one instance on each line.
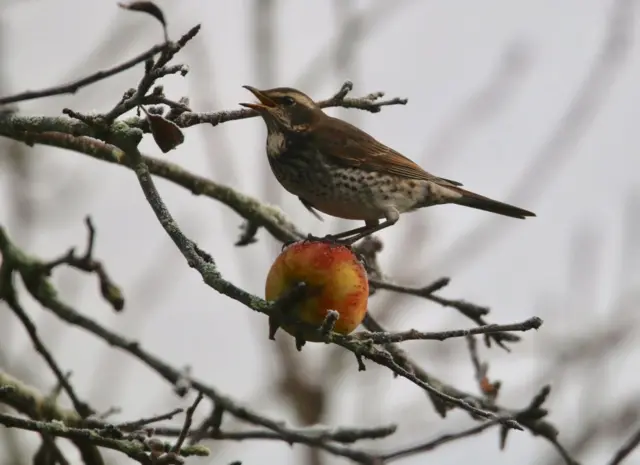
(626,449)
(414,335)
(8,294)
(109,290)
(28,401)
(472,311)
(73,87)
(432,444)
(531,417)
(132,448)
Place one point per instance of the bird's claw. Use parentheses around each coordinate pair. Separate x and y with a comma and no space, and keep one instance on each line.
(330,239)
(286,244)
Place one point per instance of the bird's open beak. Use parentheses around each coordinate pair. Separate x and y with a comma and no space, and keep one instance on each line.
(265,102)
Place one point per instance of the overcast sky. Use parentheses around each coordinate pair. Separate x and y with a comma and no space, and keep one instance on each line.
(534,102)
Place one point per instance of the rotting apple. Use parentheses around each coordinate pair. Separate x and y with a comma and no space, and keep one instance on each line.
(335,280)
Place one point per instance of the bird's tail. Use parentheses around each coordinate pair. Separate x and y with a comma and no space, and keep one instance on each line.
(470,199)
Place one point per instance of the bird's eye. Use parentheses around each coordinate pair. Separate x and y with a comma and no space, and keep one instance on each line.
(288,101)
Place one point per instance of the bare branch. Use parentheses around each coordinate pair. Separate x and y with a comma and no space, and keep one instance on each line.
(487,388)
(153,72)
(73,87)
(133,449)
(472,311)
(432,444)
(109,290)
(8,294)
(532,417)
(27,400)
(626,449)
(137,424)
(187,424)
(371,103)
(413,335)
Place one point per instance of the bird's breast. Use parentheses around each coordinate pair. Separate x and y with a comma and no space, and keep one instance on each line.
(301,170)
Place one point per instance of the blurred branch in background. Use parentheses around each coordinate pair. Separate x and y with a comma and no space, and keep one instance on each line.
(484,104)
(590,350)
(117,143)
(367,22)
(557,149)
(17,194)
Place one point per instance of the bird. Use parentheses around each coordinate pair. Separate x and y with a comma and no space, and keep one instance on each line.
(335,168)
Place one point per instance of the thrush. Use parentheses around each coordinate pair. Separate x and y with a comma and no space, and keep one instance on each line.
(335,168)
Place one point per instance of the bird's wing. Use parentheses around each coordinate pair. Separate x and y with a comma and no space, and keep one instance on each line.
(346,145)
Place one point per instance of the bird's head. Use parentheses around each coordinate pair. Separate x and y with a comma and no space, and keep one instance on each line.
(284,108)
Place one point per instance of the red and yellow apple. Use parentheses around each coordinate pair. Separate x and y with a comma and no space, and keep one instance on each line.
(335,280)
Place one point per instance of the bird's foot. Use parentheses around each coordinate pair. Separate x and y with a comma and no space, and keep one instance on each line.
(330,239)
(286,244)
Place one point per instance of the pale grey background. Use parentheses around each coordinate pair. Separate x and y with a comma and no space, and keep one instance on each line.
(535,102)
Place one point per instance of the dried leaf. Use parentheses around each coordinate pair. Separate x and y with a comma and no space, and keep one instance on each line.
(167,134)
(487,386)
(151,9)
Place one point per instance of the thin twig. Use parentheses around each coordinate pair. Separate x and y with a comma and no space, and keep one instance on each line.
(85,262)
(532,417)
(370,103)
(472,311)
(187,423)
(426,292)
(412,335)
(137,424)
(73,87)
(488,389)
(133,449)
(384,358)
(153,72)
(81,407)
(325,434)
(432,444)
(626,449)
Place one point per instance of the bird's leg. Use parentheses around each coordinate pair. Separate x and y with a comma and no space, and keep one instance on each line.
(337,239)
(371,226)
(353,236)
(342,238)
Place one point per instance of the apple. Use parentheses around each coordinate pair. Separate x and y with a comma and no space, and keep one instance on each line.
(335,280)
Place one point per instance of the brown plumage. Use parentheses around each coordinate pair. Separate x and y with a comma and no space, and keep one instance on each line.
(338,169)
